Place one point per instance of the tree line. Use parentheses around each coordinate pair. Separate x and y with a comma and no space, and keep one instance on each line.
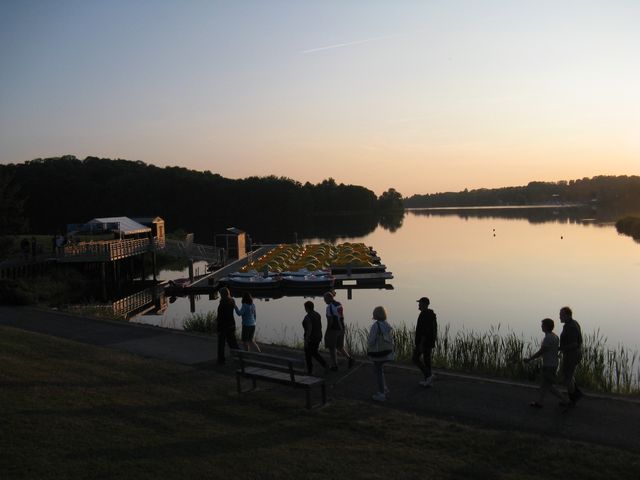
(620,192)
(44,195)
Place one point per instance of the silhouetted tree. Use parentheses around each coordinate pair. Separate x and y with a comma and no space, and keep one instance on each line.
(390,200)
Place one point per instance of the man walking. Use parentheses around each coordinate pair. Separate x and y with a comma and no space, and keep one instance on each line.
(571,348)
(226,324)
(312,325)
(425,341)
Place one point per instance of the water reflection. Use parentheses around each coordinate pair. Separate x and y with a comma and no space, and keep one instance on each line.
(533,215)
(508,267)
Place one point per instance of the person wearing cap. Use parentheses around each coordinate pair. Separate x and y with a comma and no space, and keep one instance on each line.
(335,332)
(425,341)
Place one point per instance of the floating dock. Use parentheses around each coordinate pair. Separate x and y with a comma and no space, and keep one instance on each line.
(345,277)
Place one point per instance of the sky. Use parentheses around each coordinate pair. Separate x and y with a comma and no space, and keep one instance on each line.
(423,96)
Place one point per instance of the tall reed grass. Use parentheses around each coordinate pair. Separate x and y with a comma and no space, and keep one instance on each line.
(201,322)
(498,353)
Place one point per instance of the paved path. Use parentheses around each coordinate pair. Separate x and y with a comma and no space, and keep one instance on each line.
(493,403)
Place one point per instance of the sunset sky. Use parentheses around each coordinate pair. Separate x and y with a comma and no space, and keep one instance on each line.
(423,96)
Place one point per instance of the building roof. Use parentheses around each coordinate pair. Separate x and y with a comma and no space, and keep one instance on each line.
(147,220)
(123,225)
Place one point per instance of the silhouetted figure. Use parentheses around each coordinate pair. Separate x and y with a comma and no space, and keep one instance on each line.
(24,248)
(59,245)
(312,325)
(571,348)
(549,353)
(226,324)
(425,340)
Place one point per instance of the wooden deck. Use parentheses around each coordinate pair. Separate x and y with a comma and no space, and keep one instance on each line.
(109,250)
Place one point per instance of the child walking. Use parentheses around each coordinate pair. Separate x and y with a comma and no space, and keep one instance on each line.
(549,353)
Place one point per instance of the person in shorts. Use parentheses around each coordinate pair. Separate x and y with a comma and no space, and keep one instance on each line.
(334,335)
(248,313)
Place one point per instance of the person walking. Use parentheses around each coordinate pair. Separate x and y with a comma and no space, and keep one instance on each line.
(380,350)
(571,348)
(425,340)
(226,324)
(312,325)
(335,333)
(549,353)
(248,314)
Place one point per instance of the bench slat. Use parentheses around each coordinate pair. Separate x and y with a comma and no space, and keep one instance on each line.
(277,369)
(248,356)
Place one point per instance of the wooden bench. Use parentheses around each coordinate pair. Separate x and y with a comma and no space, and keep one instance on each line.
(276,369)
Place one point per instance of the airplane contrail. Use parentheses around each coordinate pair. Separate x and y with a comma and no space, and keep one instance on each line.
(347,44)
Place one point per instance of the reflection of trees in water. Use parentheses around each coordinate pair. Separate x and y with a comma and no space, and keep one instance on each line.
(289,229)
(392,221)
(333,227)
(531,214)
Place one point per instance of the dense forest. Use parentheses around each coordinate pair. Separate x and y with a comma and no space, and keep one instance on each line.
(617,192)
(51,193)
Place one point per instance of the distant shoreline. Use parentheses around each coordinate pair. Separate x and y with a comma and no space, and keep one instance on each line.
(501,207)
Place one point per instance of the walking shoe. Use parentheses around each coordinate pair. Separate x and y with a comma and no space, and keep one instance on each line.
(577,394)
(379,397)
(427,382)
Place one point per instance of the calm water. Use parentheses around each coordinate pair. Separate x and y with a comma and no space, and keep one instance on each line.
(480,269)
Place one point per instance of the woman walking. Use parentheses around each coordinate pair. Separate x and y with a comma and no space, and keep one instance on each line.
(380,350)
(248,314)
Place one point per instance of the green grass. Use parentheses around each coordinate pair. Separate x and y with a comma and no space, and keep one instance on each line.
(603,369)
(78,411)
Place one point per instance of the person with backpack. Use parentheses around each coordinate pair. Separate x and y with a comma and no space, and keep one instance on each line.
(334,335)
(425,340)
(380,350)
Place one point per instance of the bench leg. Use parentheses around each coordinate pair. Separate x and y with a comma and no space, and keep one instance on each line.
(239,384)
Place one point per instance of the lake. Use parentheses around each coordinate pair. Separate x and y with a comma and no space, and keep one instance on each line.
(480,268)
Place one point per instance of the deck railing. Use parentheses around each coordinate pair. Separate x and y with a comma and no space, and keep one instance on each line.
(109,250)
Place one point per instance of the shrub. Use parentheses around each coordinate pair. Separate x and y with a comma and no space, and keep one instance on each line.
(201,322)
